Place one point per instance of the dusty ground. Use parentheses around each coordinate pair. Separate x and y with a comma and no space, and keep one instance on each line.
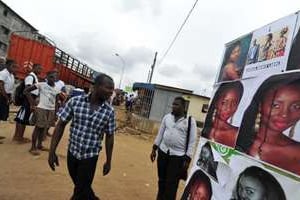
(23,176)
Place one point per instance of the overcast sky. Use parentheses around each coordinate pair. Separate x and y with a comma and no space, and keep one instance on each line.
(94,30)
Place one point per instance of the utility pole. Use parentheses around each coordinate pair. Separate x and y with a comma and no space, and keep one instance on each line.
(148,76)
(123,68)
(152,67)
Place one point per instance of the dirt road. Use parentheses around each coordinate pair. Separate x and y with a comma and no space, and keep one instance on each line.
(27,177)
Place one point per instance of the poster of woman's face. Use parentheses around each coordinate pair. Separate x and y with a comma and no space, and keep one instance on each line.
(212,163)
(275,108)
(255,183)
(234,59)
(218,124)
(206,161)
(251,144)
(198,188)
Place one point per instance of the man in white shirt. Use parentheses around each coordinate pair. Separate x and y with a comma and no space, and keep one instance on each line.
(171,142)
(22,118)
(7,81)
(44,112)
(60,86)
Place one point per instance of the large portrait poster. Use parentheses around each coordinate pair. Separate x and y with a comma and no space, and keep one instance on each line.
(250,144)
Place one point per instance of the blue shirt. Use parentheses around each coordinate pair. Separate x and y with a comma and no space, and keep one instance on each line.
(87,126)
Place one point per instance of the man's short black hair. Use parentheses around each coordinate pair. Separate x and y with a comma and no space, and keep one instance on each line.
(100,78)
(36,65)
(182,100)
(51,72)
(9,62)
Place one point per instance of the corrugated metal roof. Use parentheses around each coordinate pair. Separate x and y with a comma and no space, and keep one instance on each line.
(150,86)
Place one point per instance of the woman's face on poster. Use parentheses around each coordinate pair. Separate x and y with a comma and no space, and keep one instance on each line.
(200,193)
(281,108)
(227,104)
(250,188)
(235,54)
(205,154)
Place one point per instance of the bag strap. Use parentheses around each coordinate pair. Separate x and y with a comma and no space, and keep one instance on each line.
(34,81)
(188,134)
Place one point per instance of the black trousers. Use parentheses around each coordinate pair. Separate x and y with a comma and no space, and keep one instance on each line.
(169,169)
(4,109)
(82,173)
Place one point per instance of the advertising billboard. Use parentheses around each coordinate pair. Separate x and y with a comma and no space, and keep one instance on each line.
(250,144)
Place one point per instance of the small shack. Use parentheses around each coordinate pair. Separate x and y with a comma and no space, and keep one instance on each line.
(154,101)
(197,107)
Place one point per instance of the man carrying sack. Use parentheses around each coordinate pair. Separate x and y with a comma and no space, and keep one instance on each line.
(175,144)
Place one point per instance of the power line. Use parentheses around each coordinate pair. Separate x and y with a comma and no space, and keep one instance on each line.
(179,30)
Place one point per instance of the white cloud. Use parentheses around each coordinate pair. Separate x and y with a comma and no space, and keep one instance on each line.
(154,6)
(95,30)
(170,71)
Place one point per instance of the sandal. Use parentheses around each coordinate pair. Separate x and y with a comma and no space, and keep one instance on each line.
(42,148)
(34,152)
(21,140)
(26,140)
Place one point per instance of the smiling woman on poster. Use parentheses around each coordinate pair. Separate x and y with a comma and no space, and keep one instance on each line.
(218,125)
(274,109)
(255,183)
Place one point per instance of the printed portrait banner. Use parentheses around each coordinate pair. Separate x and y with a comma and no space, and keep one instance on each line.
(251,134)
(222,173)
(270,47)
(264,51)
(234,59)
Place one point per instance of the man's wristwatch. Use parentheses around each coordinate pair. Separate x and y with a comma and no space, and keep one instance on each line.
(154,147)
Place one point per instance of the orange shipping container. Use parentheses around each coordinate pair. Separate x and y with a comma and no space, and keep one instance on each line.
(26,51)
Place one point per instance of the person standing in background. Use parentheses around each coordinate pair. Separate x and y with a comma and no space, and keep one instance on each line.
(59,86)
(7,81)
(44,112)
(171,146)
(22,118)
